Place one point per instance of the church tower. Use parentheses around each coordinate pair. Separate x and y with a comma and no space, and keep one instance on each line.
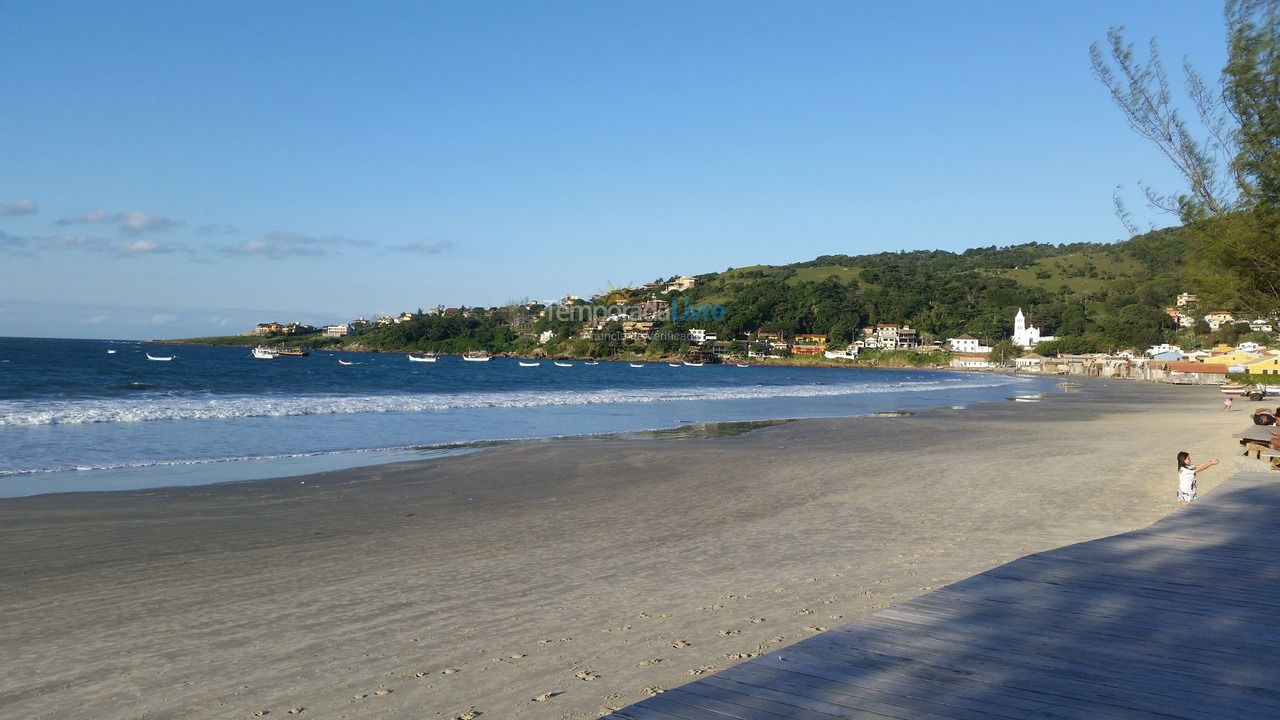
(1019,324)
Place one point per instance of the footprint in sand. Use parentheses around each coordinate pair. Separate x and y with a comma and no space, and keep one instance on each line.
(260,713)
(831,600)
(727,633)
(586,675)
(515,656)
(716,606)
(450,671)
(680,644)
(815,629)
(741,656)
(653,690)
(703,670)
(755,621)
(382,691)
(296,711)
(804,611)
(544,697)
(468,715)
(647,663)
(643,616)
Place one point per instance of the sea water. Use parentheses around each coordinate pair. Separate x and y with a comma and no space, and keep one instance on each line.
(74,417)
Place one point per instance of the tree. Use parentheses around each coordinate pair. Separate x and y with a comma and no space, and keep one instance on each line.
(1231,163)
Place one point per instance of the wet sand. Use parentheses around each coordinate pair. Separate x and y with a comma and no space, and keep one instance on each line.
(559,579)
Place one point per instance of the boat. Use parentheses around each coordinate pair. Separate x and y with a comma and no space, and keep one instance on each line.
(563,364)
(591,362)
(292,352)
(428,357)
(1233,389)
(692,364)
(673,364)
(344,362)
(529,364)
(477,356)
(263,353)
(741,365)
(160,359)
(636,364)
(111,352)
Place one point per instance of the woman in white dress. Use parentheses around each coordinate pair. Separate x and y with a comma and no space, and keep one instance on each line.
(1187,471)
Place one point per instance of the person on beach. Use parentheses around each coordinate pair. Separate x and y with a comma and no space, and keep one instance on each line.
(1187,471)
(1262,416)
(1226,404)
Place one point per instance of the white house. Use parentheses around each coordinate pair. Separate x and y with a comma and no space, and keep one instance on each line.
(1261,325)
(682,283)
(698,336)
(1030,363)
(1027,336)
(1249,347)
(544,336)
(1218,319)
(1186,298)
(971,361)
(337,330)
(1163,348)
(966,344)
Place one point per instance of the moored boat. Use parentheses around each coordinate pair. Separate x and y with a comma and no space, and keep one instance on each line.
(563,364)
(529,364)
(673,364)
(292,352)
(111,352)
(636,365)
(1233,389)
(693,364)
(427,357)
(264,353)
(160,359)
(591,362)
(477,356)
(344,362)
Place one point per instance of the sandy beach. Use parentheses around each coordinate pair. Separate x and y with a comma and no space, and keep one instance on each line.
(559,579)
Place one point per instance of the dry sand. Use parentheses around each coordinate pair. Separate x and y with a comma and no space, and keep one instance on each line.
(560,579)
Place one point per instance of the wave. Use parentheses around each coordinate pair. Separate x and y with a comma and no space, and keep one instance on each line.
(205,407)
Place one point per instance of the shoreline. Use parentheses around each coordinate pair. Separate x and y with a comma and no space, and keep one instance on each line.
(557,579)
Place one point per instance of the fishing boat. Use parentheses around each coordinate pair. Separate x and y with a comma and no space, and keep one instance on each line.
(344,362)
(692,364)
(1233,389)
(636,364)
(263,353)
(111,352)
(591,362)
(428,357)
(159,359)
(477,356)
(673,364)
(563,364)
(741,364)
(292,352)
(529,364)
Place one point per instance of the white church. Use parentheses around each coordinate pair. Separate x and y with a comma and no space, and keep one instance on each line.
(1025,335)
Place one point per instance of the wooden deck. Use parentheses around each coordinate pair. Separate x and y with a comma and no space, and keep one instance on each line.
(1178,620)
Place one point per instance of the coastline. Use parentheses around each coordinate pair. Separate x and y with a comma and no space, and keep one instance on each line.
(593,570)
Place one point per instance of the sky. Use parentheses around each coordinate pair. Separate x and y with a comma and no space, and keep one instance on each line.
(180,169)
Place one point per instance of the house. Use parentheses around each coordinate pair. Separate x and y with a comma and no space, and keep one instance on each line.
(1030,363)
(1189,373)
(383,320)
(1266,366)
(721,348)
(1168,356)
(1261,325)
(1197,355)
(637,330)
(1218,318)
(1249,347)
(698,336)
(654,308)
(682,283)
(908,338)
(1163,348)
(337,330)
(808,344)
(974,360)
(545,336)
(967,344)
(849,353)
(1186,298)
(1236,358)
(405,317)
(271,328)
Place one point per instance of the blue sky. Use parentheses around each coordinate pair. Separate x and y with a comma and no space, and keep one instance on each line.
(171,169)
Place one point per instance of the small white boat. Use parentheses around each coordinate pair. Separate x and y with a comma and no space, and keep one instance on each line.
(477,356)
(422,358)
(741,365)
(686,362)
(593,362)
(636,364)
(673,364)
(529,364)
(111,352)
(263,353)
(344,362)
(160,359)
(1233,389)
(563,364)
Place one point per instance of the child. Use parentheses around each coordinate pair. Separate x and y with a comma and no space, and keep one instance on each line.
(1226,404)
(1187,477)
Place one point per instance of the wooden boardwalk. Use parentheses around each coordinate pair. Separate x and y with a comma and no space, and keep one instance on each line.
(1178,620)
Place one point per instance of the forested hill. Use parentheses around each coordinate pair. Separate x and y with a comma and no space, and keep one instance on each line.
(1104,295)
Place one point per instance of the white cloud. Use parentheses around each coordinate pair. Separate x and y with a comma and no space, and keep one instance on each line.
(142,247)
(425,248)
(162,319)
(129,223)
(282,244)
(18,207)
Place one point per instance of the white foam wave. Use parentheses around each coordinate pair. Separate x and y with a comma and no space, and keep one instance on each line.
(128,410)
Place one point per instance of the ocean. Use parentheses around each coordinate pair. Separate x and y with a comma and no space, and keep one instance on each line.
(75,417)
